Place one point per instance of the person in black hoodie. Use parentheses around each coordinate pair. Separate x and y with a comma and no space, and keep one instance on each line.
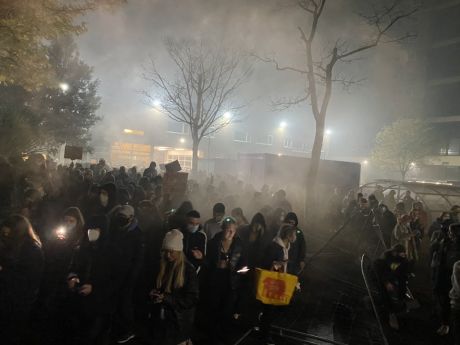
(298,249)
(392,274)
(128,252)
(224,259)
(90,281)
(194,240)
(21,267)
(254,238)
(107,198)
(174,295)
(58,255)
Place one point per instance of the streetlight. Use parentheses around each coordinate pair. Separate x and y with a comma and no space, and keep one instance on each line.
(227,115)
(64,87)
(365,162)
(328,132)
(182,140)
(283,125)
(157,103)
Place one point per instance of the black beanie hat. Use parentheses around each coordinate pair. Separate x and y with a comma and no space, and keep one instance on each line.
(292,216)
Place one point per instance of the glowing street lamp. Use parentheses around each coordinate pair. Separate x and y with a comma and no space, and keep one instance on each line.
(227,115)
(283,125)
(182,140)
(64,87)
(157,103)
(365,162)
(328,132)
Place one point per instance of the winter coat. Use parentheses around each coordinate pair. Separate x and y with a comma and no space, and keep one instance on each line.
(196,240)
(236,253)
(128,254)
(254,250)
(20,279)
(297,252)
(445,254)
(178,307)
(92,263)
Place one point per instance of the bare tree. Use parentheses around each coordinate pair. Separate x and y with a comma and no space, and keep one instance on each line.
(203,89)
(319,70)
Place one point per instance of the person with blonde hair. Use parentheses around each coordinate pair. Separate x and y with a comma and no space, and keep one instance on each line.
(175,293)
(21,269)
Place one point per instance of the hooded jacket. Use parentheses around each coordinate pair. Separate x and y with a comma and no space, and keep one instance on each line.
(92,264)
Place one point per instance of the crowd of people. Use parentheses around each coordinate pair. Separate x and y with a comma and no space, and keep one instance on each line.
(411,244)
(98,255)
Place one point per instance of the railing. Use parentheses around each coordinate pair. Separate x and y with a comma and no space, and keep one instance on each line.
(371,296)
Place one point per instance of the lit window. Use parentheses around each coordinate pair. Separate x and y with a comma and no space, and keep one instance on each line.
(241,136)
(265,140)
(288,143)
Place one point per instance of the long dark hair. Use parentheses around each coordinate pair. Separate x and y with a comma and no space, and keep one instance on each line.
(21,231)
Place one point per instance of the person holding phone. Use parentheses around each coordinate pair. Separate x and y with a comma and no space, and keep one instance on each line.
(90,281)
(174,295)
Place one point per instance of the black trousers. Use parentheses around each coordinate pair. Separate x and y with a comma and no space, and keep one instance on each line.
(455,321)
(123,320)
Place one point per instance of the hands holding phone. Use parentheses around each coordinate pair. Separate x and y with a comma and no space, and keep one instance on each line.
(156,296)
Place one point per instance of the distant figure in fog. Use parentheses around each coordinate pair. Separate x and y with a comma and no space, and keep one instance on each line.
(390,200)
(241,220)
(21,268)
(280,201)
(213,225)
(151,171)
(408,201)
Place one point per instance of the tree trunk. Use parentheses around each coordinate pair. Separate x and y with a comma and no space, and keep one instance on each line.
(314,162)
(403,175)
(196,143)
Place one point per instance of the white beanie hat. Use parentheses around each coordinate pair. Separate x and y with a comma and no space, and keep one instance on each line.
(173,240)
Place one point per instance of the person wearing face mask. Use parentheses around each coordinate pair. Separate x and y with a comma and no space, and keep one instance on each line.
(107,198)
(90,284)
(174,294)
(58,254)
(194,240)
(213,225)
(128,249)
(392,273)
(225,257)
(21,268)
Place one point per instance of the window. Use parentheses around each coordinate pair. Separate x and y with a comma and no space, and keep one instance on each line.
(288,143)
(300,146)
(185,160)
(265,140)
(242,137)
(177,127)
